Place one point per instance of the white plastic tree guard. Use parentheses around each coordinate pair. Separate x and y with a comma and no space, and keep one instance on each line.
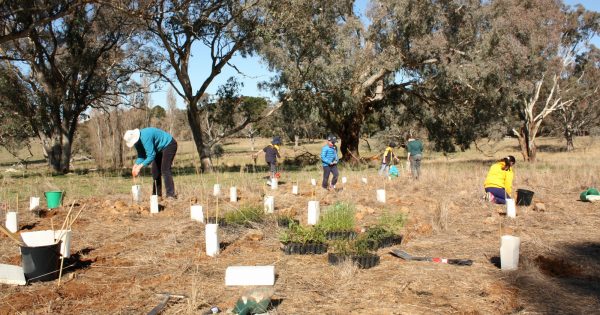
(313,212)
(196,213)
(313,182)
(249,275)
(233,194)
(154,204)
(49,237)
(269,204)
(364,180)
(381,195)
(12,224)
(274,183)
(509,252)
(344,180)
(10,274)
(136,193)
(295,189)
(511,209)
(34,202)
(216,190)
(211,236)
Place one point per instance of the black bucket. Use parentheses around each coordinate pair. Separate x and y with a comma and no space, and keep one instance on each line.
(524,197)
(41,263)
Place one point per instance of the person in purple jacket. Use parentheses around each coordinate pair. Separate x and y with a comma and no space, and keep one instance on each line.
(157,147)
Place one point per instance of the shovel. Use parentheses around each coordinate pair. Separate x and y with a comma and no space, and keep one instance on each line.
(13,236)
(166,297)
(406,256)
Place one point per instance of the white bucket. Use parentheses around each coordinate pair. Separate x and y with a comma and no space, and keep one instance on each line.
(216,190)
(381,195)
(212,239)
(136,192)
(295,189)
(34,202)
(154,204)
(233,194)
(364,180)
(65,246)
(249,275)
(11,222)
(511,209)
(509,252)
(313,212)
(274,183)
(313,182)
(344,180)
(196,213)
(269,204)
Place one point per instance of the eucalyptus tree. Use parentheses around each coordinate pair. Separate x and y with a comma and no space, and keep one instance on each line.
(66,67)
(534,44)
(213,29)
(19,17)
(401,53)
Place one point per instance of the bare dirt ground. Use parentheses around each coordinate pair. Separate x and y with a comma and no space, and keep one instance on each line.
(124,256)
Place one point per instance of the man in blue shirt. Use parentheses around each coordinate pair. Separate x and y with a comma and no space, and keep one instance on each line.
(156,147)
(329,160)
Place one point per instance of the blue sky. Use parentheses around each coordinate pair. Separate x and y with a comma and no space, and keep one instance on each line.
(255,71)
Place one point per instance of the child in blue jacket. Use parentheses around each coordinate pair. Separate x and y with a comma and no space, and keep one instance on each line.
(329,160)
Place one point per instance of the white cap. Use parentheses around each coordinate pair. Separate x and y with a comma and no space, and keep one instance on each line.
(131,137)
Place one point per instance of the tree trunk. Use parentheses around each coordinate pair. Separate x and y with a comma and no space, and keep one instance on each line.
(569,137)
(203,152)
(527,142)
(58,148)
(296,140)
(119,145)
(350,136)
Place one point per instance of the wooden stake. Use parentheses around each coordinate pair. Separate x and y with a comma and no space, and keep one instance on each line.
(77,216)
(62,261)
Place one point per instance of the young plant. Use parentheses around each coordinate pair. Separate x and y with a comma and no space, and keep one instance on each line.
(393,222)
(349,248)
(245,215)
(300,234)
(339,217)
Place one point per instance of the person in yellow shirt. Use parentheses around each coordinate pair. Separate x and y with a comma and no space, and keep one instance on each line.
(498,183)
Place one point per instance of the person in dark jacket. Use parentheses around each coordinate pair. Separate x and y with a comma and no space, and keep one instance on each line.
(157,147)
(329,161)
(271,155)
(415,155)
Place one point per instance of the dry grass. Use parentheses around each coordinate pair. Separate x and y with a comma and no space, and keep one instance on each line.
(132,255)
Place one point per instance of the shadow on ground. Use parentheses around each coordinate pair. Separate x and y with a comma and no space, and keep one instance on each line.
(566,282)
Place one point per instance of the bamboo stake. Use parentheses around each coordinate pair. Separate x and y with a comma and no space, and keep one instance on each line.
(62,228)
(62,261)
(77,216)
(217,212)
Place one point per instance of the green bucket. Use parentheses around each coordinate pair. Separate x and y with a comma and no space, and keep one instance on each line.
(53,198)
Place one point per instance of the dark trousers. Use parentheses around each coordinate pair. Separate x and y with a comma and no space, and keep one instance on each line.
(161,166)
(330,170)
(272,168)
(500,194)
